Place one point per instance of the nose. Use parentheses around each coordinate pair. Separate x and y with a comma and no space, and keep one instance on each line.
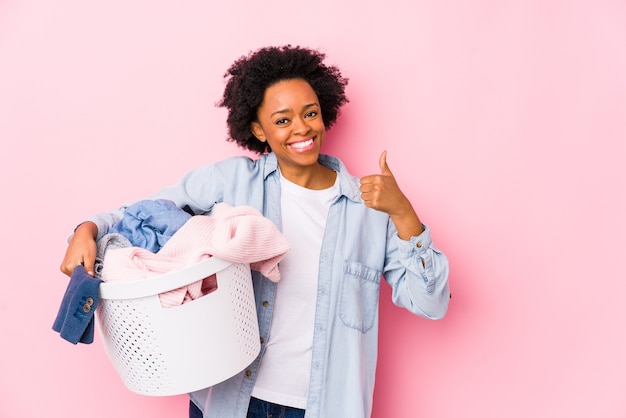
(300,126)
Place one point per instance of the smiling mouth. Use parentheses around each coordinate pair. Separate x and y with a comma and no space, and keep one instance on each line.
(302,144)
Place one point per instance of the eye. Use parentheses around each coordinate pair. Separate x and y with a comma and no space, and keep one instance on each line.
(311,114)
(281,121)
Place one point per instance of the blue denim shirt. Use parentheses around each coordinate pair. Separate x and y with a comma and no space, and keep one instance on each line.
(360,246)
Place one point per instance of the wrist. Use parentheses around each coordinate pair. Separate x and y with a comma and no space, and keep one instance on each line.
(87,228)
(408,225)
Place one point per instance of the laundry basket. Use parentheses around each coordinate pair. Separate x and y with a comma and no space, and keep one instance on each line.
(169,351)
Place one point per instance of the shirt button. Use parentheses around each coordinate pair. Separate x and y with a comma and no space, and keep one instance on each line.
(266,303)
(262,340)
(248,373)
(89,301)
(86,308)
(419,244)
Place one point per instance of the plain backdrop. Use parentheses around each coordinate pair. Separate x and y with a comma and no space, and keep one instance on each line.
(504,122)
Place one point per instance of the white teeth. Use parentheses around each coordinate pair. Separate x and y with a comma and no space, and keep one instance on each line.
(302,144)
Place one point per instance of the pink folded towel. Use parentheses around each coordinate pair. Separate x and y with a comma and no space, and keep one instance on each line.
(238,234)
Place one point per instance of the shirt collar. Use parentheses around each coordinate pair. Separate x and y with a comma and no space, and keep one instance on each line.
(348,185)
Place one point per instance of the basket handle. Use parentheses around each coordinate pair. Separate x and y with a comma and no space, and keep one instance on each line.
(164,283)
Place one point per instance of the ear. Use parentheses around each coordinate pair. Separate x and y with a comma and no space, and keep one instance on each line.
(255,128)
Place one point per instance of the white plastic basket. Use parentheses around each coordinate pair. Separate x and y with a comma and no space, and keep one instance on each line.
(170,351)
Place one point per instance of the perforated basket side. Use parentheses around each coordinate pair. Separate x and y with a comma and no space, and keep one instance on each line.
(129,338)
(168,351)
(244,311)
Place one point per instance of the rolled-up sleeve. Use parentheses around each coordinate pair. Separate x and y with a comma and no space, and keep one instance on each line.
(418,274)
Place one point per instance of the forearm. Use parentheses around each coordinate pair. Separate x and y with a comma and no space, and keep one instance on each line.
(88,229)
(418,274)
(105,221)
(407,222)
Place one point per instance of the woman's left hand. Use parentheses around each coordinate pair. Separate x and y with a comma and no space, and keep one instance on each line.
(381,192)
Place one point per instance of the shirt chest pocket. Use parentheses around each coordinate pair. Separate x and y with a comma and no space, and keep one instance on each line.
(359,296)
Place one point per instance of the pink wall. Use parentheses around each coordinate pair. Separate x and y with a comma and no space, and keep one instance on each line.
(504,122)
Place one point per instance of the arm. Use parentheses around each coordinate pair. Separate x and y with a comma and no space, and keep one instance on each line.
(416,270)
(82,246)
(192,190)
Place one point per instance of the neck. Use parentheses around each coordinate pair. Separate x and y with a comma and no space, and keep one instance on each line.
(316,177)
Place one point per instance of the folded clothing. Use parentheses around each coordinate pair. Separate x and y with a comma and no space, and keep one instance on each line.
(238,234)
(104,244)
(150,224)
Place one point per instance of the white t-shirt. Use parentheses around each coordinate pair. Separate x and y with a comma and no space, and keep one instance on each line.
(285,368)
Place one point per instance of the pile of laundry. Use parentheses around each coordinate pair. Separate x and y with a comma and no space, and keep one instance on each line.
(155,237)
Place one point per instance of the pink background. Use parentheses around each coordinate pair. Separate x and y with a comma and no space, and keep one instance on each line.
(504,122)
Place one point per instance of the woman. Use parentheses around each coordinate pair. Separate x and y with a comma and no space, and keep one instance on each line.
(318,325)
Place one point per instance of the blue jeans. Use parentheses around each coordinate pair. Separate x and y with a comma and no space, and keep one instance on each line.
(258,409)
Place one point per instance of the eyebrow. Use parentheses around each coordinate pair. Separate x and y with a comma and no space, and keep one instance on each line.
(282,111)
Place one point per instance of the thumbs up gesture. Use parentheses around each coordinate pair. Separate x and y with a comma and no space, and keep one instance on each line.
(381,192)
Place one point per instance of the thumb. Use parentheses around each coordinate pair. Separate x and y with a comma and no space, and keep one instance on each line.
(384,168)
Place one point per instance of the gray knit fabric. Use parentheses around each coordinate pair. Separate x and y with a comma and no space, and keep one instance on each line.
(104,244)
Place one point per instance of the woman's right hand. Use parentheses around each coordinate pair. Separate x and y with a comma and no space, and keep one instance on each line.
(81,249)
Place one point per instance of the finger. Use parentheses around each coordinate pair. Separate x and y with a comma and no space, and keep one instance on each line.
(370,179)
(89,266)
(68,268)
(382,162)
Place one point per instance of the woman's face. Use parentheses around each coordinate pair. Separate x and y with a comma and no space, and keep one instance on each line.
(290,121)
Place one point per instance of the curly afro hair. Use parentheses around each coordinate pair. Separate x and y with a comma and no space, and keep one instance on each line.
(249,77)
